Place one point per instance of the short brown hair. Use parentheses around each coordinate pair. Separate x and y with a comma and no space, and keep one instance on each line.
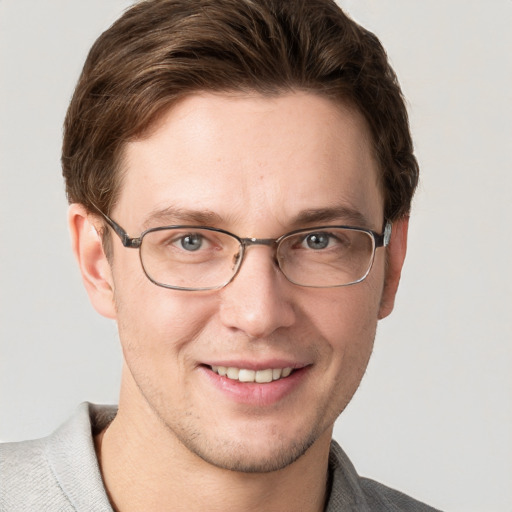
(162,50)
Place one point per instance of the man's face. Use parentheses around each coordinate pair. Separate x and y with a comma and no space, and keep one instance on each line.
(251,165)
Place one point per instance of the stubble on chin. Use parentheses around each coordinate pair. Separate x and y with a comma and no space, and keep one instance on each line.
(239,457)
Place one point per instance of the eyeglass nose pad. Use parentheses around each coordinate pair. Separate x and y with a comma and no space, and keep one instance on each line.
(237,257)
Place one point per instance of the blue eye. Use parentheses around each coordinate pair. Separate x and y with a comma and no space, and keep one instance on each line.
(317,240)
(191,242)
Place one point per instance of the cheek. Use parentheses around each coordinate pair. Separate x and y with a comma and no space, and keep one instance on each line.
(346,317)
(151,319)
(346,321)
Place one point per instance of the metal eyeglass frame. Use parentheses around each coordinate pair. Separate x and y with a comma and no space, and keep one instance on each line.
(380,240)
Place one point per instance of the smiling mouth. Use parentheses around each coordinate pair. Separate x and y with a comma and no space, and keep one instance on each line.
(258,376)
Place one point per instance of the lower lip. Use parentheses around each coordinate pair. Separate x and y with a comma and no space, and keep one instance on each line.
(253,393)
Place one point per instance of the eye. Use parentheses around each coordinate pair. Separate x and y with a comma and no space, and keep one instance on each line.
(317,241)
(191,242)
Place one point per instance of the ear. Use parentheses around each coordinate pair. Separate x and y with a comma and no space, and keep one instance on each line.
(396,250)
(94,266)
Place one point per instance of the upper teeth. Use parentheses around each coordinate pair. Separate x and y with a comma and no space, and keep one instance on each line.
(260,376)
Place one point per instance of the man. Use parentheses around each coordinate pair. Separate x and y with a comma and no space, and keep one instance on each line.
(240,176)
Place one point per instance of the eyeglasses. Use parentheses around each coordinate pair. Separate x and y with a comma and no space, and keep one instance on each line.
(196,258)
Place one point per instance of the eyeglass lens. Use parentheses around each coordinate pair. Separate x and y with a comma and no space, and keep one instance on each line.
(191,258)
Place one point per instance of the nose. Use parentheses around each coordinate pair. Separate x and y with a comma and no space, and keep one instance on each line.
(259,299)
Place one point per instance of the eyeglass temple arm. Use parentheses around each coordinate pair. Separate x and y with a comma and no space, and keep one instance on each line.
(120,232)
(383,240)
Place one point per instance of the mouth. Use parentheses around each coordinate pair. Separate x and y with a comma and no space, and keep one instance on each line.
(253,384)
(257,376)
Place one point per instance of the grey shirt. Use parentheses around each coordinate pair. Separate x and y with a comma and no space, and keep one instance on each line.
(61,473)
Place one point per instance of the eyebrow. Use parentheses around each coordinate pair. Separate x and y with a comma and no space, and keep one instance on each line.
(339,213)
(175,215)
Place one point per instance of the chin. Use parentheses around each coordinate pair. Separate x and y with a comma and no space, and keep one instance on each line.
(253,451)
(242,460)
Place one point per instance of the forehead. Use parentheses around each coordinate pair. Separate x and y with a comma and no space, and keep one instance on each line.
(251,160)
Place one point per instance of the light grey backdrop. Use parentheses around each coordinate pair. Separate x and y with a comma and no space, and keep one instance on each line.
(433,416)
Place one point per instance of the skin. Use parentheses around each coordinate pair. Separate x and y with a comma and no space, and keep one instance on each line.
(253,164)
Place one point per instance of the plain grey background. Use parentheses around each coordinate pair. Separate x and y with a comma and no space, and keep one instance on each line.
(433,416)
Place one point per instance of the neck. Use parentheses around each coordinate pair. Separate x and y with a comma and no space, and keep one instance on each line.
(145,467)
